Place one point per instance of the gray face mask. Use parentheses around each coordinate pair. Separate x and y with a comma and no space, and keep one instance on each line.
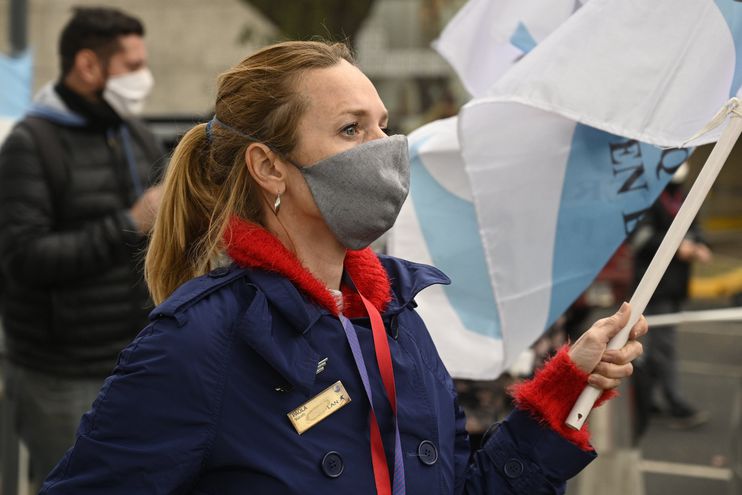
(359,192)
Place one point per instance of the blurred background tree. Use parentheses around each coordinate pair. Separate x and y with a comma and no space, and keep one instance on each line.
(338,20)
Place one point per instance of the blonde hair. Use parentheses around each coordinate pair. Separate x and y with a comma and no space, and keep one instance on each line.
(207,181)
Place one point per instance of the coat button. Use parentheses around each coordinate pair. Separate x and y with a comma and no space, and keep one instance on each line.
(513,468)
(219,272)
(332,464)
(427,452)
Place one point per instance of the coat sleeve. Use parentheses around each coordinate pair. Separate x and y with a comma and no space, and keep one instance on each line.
(31,250)
(532,451)
(522,456)
(153,423)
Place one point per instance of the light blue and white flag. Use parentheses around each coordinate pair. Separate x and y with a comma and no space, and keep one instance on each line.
(438,225)
(15,97)
(556,173)
(487,37)
(653,71)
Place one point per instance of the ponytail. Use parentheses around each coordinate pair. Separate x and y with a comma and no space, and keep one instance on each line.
(199,198)
(181,220)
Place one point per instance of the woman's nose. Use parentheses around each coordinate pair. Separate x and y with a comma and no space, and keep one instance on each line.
(377,133)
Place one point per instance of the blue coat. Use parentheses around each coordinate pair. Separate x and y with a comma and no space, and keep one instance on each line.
(198,403)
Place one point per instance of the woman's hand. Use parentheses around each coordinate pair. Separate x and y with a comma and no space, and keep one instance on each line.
(608,367)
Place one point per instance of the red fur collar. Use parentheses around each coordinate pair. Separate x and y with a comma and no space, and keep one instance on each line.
(252,246)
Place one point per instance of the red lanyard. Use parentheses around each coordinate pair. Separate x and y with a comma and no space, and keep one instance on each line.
(383,354)
(384,360)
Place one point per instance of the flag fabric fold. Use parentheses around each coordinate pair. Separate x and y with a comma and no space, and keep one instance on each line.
(487,37)
(654,71)
(438,226)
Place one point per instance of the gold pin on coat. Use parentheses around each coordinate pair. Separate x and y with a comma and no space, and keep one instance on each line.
(319,407)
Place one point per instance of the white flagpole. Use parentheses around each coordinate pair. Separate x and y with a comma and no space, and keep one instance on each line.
(668,248)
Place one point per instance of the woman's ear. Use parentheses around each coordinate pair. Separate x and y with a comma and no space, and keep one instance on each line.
(265,168)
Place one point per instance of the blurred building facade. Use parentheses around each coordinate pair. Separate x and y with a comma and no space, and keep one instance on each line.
(393,49)
(191,41)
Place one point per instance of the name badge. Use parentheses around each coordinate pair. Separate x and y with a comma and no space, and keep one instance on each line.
(319,407)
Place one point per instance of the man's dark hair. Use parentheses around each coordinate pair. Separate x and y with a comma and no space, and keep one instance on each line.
(97,29)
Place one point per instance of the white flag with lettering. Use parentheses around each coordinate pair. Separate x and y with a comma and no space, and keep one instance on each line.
(556,161)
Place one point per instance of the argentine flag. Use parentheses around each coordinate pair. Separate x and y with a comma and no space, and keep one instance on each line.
(524,196)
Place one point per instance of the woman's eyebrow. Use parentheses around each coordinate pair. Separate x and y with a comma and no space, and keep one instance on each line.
(359,112)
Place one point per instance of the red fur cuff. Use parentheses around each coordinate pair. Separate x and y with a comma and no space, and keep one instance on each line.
(550,395)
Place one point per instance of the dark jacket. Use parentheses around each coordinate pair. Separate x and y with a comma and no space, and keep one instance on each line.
(198,402)
(73,293)
(647,238)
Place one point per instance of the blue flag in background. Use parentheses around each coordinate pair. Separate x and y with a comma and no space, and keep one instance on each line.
(16,83)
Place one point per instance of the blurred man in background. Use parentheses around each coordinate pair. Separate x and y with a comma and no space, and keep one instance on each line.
(657,370)
(76,203)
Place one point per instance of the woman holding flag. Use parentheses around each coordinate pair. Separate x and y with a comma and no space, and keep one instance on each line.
(285,356)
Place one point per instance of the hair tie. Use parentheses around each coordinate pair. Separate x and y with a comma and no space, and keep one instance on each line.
(208,130)
(215,120)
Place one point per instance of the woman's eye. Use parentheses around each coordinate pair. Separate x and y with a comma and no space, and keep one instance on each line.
(350,130)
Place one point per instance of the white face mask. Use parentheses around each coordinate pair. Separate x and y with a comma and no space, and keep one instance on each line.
(126,93)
